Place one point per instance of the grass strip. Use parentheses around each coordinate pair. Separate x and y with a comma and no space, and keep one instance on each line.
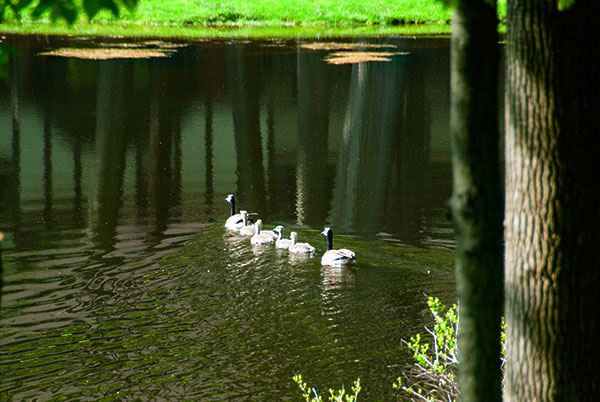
(188,19)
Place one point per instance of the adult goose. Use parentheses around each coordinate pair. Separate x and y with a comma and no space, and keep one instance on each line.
(235,221)
(296,247)
(281,242)
(335,257)
(262,237)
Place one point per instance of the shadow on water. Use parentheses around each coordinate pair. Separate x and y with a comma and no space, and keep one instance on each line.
(119,280)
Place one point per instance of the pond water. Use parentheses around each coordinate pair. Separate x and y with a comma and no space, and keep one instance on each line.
(119,279)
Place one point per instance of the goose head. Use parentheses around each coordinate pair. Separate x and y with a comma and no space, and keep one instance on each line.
(231,199)
(327,231)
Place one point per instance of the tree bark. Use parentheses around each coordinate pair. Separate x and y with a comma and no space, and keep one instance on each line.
(552,202)
(477,204)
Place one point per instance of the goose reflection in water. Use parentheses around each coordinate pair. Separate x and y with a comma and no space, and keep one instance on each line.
(339,277)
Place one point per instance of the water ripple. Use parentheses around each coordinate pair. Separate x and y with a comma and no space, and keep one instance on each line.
(206,317)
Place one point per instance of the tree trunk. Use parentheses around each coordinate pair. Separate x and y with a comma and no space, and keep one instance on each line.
(477,205)
(552,234)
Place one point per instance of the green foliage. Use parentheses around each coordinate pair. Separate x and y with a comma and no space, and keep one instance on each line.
(433,375)
(161,17)
(565,4)
(252,12)
(311,395)
(67,10)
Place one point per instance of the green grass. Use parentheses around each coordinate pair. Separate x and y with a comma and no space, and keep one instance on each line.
(242,32)
(282,12)
(291,12)
(254,18)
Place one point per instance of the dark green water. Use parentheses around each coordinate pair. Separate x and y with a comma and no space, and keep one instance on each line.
(119,280)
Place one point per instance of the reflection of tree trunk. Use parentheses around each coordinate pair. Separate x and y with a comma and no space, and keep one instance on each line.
(208,154)
(161,135)
(380,131)
(281,173)
(406,193)
(77,170)
(313,175)
(47,170)
(107,182)
(271,188)
(141,174)
(175,199)
(244,80)
(365,161)
(14,191)
(345,196)
(48,113)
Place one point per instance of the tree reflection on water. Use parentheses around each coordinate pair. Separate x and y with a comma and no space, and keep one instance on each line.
(158,141)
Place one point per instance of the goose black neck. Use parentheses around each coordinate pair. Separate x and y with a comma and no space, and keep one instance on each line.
(232,202)
(330,240)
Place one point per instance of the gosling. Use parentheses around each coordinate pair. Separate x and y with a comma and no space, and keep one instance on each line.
(296,247)
(263,238)
(281,242)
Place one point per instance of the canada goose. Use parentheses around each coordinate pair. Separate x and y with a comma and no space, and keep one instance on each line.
(300,247)
(235,221)
(335,257)
(281,242)
(261,238)
(246,230)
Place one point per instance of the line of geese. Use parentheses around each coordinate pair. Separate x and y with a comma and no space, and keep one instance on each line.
(242,224)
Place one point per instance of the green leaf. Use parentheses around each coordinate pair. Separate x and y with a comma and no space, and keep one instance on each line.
(130,4)
(110,5)
(91,7)
(23,3)
(67,10)
(42,7)
(565,4)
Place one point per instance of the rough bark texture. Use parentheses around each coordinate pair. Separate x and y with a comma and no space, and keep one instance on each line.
(477,205)
(552,232)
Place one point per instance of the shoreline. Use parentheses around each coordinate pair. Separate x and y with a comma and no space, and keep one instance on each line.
(244,31)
